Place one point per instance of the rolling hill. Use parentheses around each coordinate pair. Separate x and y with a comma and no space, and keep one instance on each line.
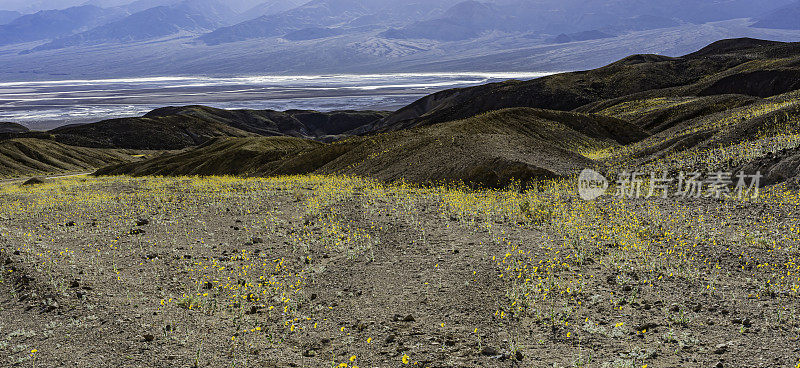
(220,156)
(12,128)
(491,150)
(725,106)
(181,127)
(728,133)
(743,66)
(26,156)
(731,105)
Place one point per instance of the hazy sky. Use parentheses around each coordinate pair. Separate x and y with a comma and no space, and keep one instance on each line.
(30,6)
(35,5)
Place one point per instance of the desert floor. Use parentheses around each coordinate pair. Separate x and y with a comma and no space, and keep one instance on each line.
(311,271)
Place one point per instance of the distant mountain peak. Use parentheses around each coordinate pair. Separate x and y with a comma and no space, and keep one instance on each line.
(787,17)
(7,16)
(464,20)
(314,14)
(49,24)
(193,16)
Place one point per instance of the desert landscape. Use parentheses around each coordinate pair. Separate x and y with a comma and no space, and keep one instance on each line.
(449,233)
(312,271)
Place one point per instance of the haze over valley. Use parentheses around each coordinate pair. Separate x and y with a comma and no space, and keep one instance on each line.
(147,38)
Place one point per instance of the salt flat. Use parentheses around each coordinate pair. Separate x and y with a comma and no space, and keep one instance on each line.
(48,104)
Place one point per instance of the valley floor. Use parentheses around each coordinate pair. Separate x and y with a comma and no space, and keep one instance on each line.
(318,271)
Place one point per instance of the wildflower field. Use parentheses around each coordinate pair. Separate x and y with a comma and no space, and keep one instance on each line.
(327,271)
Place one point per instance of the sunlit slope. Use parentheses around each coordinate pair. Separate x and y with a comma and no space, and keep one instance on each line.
(223,156)
(661,113)
(725,140)
(20,157)
(490,149)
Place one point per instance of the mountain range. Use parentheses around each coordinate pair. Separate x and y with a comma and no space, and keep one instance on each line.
(123,38)
(188,16)
(787,17)
(48,24)
(6,16)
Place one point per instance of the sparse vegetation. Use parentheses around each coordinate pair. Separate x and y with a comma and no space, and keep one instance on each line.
(29,156)
(628,274)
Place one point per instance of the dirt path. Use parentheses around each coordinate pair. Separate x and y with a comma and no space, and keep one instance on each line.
(424,297)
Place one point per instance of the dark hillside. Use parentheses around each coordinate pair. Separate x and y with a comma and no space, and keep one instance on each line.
(12,128)
(491,150)
(744,66)
(182,127)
